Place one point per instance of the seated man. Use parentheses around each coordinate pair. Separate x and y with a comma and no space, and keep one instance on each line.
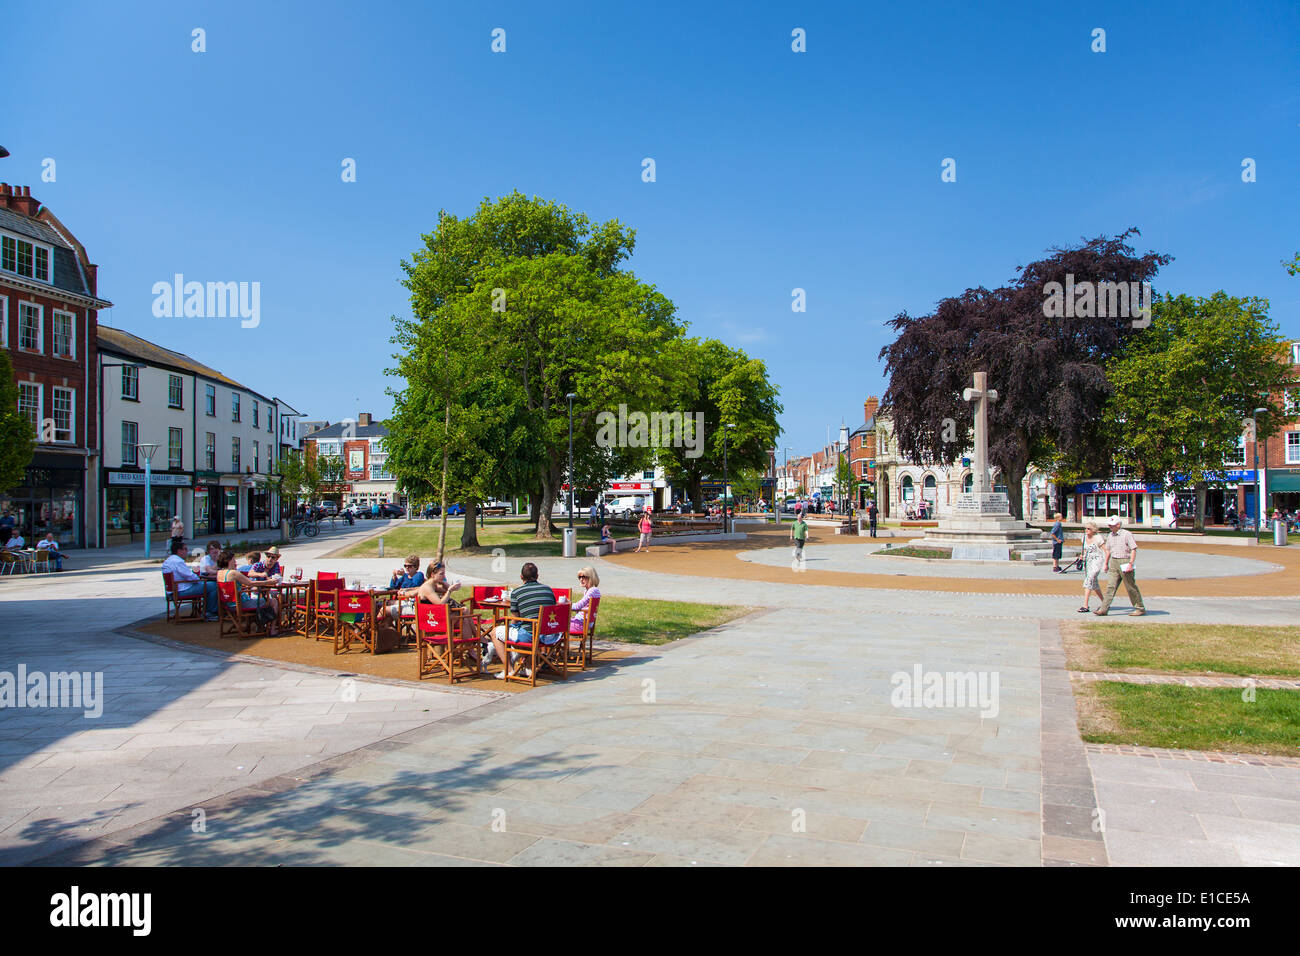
(189,584)
(16,541)
(49,544)
(208,563)
(525,601)
(269,566)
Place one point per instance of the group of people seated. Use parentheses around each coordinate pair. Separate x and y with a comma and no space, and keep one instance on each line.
(16,542)
(219,565)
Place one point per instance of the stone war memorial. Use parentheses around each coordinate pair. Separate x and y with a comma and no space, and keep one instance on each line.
(981,527)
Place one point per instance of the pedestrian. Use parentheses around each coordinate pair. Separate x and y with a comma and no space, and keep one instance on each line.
(178,530)
(1094,561)
(1121,551)
(1058,543)
(871,516)
(1173,513)
(645,527)
(799,534)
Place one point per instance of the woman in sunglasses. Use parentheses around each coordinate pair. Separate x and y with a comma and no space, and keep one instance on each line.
(589,580)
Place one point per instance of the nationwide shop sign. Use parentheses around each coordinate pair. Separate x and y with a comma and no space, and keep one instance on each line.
(1119,487)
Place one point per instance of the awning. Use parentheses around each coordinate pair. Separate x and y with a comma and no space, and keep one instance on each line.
(1282,481)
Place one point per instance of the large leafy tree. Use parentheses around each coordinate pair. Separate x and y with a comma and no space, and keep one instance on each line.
(1183,388)
(1049,371)
(525,300)
(17,439)
(727,387)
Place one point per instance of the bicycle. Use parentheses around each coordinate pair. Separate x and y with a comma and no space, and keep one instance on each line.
(304,526)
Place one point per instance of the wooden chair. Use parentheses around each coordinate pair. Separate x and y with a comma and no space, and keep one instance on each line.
(173,602)
(41,560)
(354,621)
(586,638)
(324,611)
(303,611)
(10,562)
(552,621)
(447,641)
(484,624)
(234,620)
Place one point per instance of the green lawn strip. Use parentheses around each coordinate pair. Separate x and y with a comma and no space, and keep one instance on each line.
(906,552)
(515,538)
(1193,718)
(1203,648)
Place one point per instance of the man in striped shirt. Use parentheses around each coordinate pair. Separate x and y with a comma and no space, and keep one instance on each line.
(525,601)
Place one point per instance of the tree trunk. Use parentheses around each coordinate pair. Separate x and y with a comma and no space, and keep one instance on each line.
(1198,520)
(535,506)
(469,532)
(1015,478)
(550,488)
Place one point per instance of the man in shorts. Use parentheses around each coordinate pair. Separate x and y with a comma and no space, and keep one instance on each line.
(1058,542)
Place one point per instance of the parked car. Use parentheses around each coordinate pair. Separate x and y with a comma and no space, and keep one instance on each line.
(435,511)
(389,510)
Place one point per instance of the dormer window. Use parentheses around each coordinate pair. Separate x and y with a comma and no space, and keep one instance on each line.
(25,258)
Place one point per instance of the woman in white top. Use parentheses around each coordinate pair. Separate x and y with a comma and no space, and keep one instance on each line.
(588,578)
(1095,560)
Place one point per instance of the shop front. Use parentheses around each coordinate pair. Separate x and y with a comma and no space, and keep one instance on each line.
(126,519)
(50,498)
(1283,487)
(1135,502)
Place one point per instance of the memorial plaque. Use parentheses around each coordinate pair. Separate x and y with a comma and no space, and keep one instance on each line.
(971,504)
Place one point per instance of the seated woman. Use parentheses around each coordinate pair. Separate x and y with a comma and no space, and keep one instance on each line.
(607,538)
(437,590)
(266,606)
(589,580)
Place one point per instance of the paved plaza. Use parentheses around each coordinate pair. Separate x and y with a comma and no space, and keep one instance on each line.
(777,739)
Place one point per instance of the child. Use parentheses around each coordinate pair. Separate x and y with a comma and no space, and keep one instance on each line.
(607,538)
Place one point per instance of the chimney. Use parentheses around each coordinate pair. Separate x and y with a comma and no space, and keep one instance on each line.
(363,418)
(869,407)
(19,199)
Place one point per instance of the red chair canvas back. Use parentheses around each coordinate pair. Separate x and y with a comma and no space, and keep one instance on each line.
(355,602)
(566,593)
(327,575)
(229,591)
(554,621)
(483,592)
(326,589)
(592,608)
(431,619)
(169,582)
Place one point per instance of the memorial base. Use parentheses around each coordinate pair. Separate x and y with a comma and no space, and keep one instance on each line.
(981,528)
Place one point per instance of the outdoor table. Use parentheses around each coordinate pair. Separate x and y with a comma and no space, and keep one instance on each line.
(287,591)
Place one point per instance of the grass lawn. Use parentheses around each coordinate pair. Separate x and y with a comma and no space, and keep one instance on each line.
(907,552)
(513,536)
(643,621)
(1189,718)
(1201,648)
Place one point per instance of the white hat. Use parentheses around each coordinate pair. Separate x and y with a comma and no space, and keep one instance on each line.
(1114,521)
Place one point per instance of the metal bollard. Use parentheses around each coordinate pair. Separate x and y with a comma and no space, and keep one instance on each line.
(381,547)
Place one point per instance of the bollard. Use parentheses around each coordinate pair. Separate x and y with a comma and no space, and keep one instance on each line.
(381,546)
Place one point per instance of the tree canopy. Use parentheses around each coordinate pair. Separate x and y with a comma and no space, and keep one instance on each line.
(17,437)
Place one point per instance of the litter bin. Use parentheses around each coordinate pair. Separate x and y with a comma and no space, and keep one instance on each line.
(570,542)
(1279,533)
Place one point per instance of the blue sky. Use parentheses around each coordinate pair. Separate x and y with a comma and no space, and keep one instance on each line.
(775,170)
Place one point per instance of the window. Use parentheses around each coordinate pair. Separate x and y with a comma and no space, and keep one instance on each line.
(29,404)
(130,435)
(210,398)
(1238,455)
(649,473)
(131,383)
(1121,471)
(210,452)
(234,406)
(270,422)
(25,258)
(174,448)
(255,422)
(234,454)
(175,396)
(908,491)
(65,334)
(65,401)
(1293,448)
(1291,402)
(257,462)
(4,322)
(1295,353)
(31,326)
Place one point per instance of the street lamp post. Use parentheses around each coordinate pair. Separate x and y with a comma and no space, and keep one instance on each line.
(1259,483)
(787,451)
(148,449)
(726,497)
(571,396)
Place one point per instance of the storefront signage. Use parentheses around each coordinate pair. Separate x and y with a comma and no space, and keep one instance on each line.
(137,478)
(1119,487)
(1231,476)
(630,486)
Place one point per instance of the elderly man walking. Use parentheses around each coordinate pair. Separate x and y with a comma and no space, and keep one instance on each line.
(1122,548)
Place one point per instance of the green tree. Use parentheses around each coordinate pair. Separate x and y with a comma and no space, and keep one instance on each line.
(17,437)
(726,386)
(844,481)
(297,479)
(1185,386)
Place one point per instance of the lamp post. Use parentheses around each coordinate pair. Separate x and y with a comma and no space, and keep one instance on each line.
(726,497)
(1259,483)
(571,396)
(148,449)
(787,451)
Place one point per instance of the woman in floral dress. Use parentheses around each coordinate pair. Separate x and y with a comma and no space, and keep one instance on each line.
(1095,558)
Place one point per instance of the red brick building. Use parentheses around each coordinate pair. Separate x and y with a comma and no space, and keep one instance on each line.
(49,312)
(862,453)
(1279,454)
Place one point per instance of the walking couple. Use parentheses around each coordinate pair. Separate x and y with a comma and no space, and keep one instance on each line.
(1116,554)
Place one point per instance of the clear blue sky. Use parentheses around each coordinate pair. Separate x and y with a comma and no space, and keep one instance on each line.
(776,170)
